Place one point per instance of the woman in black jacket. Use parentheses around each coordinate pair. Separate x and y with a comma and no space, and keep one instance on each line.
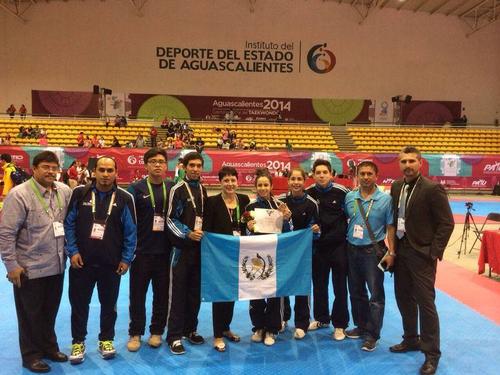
(223,215)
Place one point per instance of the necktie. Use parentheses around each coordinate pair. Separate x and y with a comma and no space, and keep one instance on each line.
(402,209)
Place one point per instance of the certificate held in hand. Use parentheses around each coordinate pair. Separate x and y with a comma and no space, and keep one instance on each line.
(268,220)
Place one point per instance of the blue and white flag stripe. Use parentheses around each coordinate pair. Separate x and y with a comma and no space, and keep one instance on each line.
(252,267)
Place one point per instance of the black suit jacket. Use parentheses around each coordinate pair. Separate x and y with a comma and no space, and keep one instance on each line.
(216,218)
(429,221)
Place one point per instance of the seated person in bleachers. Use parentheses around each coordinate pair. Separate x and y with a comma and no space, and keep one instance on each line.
(164,123)
(199,145)
(101,143)
(95,141)
(220,142)
(21,132)
(117,121)
(123,121)
(115,142)
(87,143)
(252,145)
(80,139)
(139,141)
(178,143)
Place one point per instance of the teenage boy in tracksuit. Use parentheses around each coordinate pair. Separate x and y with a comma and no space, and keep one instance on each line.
(330,251)
(186,204)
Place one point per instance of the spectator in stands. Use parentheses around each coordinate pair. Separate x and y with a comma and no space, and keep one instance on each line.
(87,143)
(80,139)
(115,142)
(123,121)
(21,133)
(288,145)
(22,111)
(6,140)
(178,144)
(220,142)
(73,174)
(43,140)
(139,141)
(95,141)
(8,167)
(239,144)
(164,123)
(168,144)
(117,122)
(253,144)
(84,177)
(43,132)
(11,111)
(101,143)
(153,133)
(30,132)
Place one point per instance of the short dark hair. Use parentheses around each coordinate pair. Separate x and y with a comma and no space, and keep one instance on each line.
(263,172)
(47,156)
(153,152)
(105,157)
(6,157)
(368,163)
(411,150)
(227,171)
(192,156)
(298,169)
(324,162)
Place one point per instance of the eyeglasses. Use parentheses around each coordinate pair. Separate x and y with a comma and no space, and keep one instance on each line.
(154,161)
(47,168)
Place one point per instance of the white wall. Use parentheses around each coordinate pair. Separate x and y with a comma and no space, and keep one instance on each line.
(73,45)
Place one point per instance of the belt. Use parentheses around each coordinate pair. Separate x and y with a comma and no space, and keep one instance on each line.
(364,247)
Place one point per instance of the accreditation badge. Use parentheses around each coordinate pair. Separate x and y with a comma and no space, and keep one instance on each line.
(401,224)
(158,223)
(358,231)
(97,232)
(198,223)
(58,229)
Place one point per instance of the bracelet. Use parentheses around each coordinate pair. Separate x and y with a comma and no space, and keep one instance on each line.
(391,253)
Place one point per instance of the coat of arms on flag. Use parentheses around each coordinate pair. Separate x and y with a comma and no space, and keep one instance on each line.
(252,267)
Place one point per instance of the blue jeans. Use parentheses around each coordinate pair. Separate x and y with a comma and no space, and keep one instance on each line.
(367,313)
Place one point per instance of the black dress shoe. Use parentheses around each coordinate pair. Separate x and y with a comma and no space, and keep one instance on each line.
(57,357)
(429,367)
(37,366)
(405,346)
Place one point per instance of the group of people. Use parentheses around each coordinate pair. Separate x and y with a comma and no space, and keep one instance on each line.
(154,228)
(11,111)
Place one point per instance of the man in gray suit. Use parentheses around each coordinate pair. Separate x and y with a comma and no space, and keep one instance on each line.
(424,226)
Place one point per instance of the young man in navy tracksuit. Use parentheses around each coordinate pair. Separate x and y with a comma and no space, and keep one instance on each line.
(186,205)
(101,237)
(330,251)
(150,265)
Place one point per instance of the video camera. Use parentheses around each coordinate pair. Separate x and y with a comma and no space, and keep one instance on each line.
(469,205)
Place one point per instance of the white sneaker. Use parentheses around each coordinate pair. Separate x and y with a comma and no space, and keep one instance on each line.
(134,343)
(339,334)
(258,335)
(270,339)
(299,334)
(314,325)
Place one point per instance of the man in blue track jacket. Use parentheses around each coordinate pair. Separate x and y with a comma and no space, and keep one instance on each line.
(101,237)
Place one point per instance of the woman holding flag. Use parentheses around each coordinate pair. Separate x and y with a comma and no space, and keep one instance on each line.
(225,221)
(266,314)
(304,215)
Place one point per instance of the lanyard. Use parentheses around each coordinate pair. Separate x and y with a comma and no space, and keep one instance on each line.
(367,212)
(408,197)
(109,208)
(152,196)
(42,200)
(229,212)
(192,198)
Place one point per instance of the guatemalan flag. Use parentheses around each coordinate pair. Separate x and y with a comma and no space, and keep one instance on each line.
(253,267)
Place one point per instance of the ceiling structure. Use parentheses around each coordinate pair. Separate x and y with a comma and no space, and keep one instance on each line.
(475,13)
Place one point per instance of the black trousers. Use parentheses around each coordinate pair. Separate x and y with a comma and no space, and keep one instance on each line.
(334,260)
(184,288)
(222,315)
(148,269)
(414,278)
(37,303)
(81,286)
(301,311)
(267,314)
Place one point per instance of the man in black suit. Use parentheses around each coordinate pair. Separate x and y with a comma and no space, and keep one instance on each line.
(424,226)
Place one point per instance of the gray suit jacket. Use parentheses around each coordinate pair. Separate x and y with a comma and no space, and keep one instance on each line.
(429,221)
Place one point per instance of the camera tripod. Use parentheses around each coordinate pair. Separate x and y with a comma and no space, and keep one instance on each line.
(465,233)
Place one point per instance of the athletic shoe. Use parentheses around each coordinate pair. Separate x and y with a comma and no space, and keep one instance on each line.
(154,341)
(369,345)
(195,339)
(284,324)
(354,333)
(134,343)
(338,334)
(270,339)
(314,325)
(299,334)
(258,335)
(107,349)
(77,353)
(176,347)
